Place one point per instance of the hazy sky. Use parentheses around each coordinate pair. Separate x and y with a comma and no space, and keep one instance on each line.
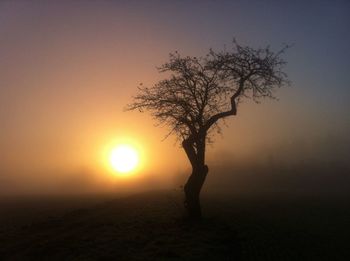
(68,68)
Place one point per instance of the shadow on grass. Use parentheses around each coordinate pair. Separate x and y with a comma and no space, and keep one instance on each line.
(144,227)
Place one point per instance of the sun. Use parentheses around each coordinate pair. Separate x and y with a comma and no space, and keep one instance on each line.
(124,158)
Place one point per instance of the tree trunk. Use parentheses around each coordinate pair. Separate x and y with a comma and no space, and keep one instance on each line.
(192,190)
(196,180)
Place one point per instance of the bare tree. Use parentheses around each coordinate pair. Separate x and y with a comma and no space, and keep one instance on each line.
(198,92)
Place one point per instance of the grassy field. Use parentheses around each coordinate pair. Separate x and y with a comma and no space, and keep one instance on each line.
(151,226)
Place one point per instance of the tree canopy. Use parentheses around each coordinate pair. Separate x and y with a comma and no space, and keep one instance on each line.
(199,91)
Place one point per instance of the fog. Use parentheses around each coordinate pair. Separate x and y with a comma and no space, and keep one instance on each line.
(298,170)
(68,69)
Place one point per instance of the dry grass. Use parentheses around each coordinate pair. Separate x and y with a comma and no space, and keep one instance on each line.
(151,226)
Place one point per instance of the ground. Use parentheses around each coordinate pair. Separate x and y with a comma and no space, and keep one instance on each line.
(152,226)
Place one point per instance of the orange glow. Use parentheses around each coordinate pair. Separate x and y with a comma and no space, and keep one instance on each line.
(124,158)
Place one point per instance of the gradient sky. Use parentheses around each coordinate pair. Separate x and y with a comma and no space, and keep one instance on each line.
(68,68)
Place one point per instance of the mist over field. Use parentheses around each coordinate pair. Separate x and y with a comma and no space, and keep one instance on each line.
(297,169)
(84,175)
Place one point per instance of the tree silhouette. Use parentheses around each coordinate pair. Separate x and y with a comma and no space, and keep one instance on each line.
(198,92)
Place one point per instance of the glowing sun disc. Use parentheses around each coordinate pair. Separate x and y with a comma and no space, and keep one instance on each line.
(124,158)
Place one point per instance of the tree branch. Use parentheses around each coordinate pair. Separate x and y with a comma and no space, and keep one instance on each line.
(232,111)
